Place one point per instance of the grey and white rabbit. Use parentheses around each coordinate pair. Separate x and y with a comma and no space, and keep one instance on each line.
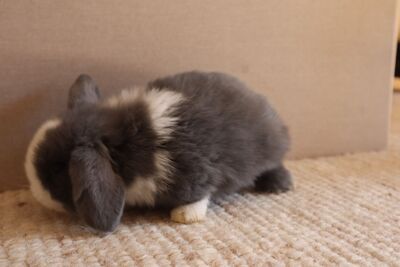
(175,143)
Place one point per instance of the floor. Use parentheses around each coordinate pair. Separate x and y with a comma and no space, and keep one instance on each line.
(344,211)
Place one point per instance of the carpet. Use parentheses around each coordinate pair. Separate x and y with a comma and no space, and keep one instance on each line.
(344,211)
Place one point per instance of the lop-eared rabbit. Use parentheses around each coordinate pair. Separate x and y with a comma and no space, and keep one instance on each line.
(175,143)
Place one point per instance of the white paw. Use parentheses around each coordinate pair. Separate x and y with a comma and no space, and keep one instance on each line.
(190,213)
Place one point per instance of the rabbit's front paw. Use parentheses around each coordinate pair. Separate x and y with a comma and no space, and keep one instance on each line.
(190,213)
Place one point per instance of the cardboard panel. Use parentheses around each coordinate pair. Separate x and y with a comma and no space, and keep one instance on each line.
(325,65)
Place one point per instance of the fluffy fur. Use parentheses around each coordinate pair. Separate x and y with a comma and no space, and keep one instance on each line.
(37,189)
(176,142)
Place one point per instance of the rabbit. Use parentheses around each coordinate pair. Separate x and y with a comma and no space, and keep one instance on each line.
(175,143)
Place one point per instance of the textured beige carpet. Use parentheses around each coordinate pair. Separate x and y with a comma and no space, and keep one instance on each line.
(345,211)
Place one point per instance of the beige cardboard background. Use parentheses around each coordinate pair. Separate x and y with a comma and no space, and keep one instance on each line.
(325,65)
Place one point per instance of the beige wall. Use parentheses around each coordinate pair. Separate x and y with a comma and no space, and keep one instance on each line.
(398,20)
(326,65)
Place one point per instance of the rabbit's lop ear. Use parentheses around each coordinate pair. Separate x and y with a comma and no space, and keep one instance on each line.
(83,91)
(98,193)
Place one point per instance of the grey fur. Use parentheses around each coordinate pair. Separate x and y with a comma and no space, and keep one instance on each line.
(98,193)
(227,137)
(84,90)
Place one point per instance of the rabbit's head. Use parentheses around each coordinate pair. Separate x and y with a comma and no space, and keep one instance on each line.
(68,165)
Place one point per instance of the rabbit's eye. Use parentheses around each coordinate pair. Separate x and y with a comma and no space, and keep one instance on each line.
(58,167)
(105,140)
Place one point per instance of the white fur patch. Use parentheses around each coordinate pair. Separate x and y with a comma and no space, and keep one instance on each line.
(143,190)
(161,104)
(190,213)
(39,193)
